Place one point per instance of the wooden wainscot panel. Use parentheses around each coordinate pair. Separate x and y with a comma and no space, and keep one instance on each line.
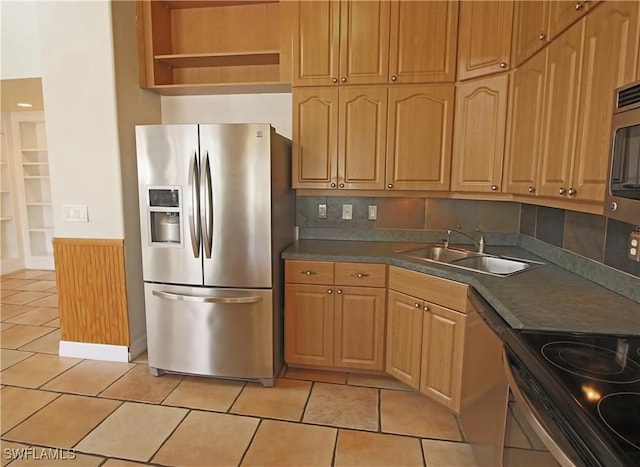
(92,294)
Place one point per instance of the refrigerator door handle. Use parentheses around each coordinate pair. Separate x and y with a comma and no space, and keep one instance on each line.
(206,205)
(199,299)
(194,215)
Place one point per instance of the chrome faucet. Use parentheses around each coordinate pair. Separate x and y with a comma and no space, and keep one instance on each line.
(478,244)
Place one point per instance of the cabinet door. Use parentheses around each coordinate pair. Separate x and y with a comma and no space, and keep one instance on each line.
(420,129)
(530,29)
(484,38)
(442,355)
(610,55)
(422,46)
(308,324)
(364,42)
(523,142)
(359,328)
(563,14)
(362,137)
(315,138)
(562,87)
(480,121)
(404,338)
(316,43)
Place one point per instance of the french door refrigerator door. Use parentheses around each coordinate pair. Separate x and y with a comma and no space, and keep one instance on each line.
(168,158)
(209,331)
(236,204)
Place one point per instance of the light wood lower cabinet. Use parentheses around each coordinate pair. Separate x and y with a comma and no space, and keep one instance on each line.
(425,337)
(335,314)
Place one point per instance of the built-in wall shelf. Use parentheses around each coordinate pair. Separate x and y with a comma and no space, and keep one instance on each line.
(211,47)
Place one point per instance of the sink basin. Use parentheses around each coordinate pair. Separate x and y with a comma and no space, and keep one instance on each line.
(471,260)
(495,265)
(440,254)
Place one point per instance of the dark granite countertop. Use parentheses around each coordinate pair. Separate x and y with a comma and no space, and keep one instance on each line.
(544,298)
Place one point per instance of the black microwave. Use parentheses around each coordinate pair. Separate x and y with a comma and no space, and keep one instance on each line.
(623,190)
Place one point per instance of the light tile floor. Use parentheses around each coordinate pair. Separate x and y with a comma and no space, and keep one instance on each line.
(68,411)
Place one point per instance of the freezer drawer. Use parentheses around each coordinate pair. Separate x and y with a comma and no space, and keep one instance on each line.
(210,331)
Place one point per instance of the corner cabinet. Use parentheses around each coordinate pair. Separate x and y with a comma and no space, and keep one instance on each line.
(479,133)
(30,149)
(426,325)
(188,47)
(335,314)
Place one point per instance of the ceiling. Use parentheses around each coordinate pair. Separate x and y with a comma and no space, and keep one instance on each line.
(27,90)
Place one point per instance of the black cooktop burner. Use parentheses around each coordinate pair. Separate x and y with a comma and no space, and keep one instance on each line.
(621,412)
(593,362)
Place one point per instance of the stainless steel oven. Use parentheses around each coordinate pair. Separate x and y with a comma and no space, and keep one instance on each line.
(623,190)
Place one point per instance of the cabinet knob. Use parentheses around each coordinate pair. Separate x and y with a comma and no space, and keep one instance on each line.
(531,189)
(494,187)
(333,185)
(329,291)
(341,185)
(542,36)
(503,65)
(416,305)
(339,291)
(393,78)
(579,6)
(425,308)
(343,79)
(390,185)
(561,191)
(334,80)
(572,192)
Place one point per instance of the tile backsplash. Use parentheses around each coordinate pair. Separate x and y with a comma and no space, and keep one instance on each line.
(588,235)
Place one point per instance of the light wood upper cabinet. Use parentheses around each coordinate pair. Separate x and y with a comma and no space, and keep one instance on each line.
(362,137)
(560,114)
(525,127)
(484,38)
(340,43)
(315,137)
(443,338)
(419,136)
(563,13)
(210,47)
(423,41)
(530,29)
(339,137)
(610,57)
(479,133)
(404,337)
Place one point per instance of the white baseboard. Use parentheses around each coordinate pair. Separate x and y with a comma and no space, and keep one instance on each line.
(112,353)
(138,346)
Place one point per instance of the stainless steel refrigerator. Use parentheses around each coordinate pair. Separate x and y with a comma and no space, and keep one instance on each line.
(216,210)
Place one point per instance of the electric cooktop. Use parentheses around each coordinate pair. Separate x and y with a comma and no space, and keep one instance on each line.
(594,381)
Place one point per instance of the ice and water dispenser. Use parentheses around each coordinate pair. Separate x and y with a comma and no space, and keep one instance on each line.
(164,216)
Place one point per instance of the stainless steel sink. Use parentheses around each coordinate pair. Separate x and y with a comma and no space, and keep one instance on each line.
(495,265)
(471,260)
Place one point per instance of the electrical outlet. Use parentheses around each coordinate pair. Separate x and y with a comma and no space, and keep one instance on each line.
(322,211)
(634,246)
(347,211)
(373,212)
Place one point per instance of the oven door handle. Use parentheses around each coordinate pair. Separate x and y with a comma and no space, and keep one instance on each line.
(531,415)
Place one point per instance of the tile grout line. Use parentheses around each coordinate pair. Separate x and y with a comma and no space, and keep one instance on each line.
(253,437)
(170,435)
(235,399)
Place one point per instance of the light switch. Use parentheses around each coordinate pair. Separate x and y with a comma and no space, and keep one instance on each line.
(75,213)
(322,211)
(347,211)
(373,212)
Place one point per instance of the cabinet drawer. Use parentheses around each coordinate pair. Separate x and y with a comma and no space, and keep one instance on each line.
(365,274)
(309,272)
(432,289)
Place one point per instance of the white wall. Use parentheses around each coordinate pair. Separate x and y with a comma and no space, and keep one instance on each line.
(19,40)
(239,108)
(78,80)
